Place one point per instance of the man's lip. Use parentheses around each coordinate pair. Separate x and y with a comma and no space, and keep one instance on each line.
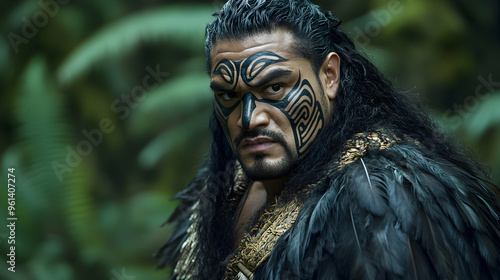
(255,141)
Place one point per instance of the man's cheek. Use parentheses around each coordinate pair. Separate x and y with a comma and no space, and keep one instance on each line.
(225,128)
(229,137)
(226,116)
(305,114)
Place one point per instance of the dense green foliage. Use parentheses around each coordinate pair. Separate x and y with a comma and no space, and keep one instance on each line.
(96,166)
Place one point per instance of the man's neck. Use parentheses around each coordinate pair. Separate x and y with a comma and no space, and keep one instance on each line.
(273,187)
(259,194)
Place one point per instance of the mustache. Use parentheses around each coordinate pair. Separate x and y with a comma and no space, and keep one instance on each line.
(277,137)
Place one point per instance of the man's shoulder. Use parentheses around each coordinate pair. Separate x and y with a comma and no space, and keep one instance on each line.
(392,211)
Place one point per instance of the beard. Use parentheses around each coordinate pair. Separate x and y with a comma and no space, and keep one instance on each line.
(263,168)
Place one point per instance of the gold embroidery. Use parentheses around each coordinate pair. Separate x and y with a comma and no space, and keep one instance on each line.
(362,142)
(257,245)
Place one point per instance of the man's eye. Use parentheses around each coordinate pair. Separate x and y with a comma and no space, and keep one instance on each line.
(274,88)
(227,96)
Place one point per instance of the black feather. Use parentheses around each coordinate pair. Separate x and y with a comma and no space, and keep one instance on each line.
(370,192)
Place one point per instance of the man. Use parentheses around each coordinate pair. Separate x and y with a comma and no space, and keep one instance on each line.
(320,169)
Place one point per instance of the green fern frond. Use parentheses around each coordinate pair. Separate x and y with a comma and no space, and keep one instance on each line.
(41,135)
(80,214)
(173,138)
(178,25)
(179,96)
(53,195)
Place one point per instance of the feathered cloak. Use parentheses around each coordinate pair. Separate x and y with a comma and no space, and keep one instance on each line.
(400,212)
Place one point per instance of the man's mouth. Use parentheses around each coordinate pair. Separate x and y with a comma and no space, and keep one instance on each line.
(257,144)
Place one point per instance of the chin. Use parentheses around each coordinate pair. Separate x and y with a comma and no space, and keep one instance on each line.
(262,168)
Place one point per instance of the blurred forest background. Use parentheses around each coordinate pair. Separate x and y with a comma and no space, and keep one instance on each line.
(104,108)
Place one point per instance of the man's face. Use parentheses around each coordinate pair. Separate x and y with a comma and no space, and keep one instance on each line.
(268,100)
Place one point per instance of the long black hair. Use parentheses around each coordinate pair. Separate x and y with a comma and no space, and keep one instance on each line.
(365,100)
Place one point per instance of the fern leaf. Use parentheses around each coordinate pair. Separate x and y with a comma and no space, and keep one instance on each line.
(183,25)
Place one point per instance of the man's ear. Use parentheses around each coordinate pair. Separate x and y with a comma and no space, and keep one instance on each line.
(329,75)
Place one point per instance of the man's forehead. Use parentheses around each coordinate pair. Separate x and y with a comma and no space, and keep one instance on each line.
(280,42)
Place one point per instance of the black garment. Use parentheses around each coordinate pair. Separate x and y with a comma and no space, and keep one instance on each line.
(396,213)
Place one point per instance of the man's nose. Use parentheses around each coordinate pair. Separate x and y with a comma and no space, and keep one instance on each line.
(251,116)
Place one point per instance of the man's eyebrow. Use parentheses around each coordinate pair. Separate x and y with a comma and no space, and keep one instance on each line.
(274,74)
(218,87)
